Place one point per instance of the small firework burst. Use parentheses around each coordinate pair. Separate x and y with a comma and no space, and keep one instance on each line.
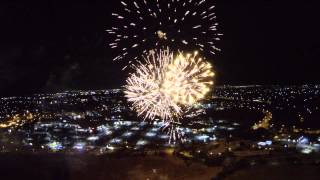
(179,24)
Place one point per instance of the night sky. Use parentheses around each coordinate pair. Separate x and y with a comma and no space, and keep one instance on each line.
(51,46)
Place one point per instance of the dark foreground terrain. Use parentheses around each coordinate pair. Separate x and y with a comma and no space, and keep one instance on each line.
(85,167)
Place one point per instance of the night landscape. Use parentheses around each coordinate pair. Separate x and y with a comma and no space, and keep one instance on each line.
(159,89)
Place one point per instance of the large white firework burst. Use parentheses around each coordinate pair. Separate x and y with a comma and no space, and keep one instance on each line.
(179,24)
(167,84)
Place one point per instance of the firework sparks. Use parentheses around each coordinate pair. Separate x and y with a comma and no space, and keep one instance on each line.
(178,24)
(165,84)
(174,132)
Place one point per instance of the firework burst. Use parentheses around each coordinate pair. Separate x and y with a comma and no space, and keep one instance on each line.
(179,24)
(165,85)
